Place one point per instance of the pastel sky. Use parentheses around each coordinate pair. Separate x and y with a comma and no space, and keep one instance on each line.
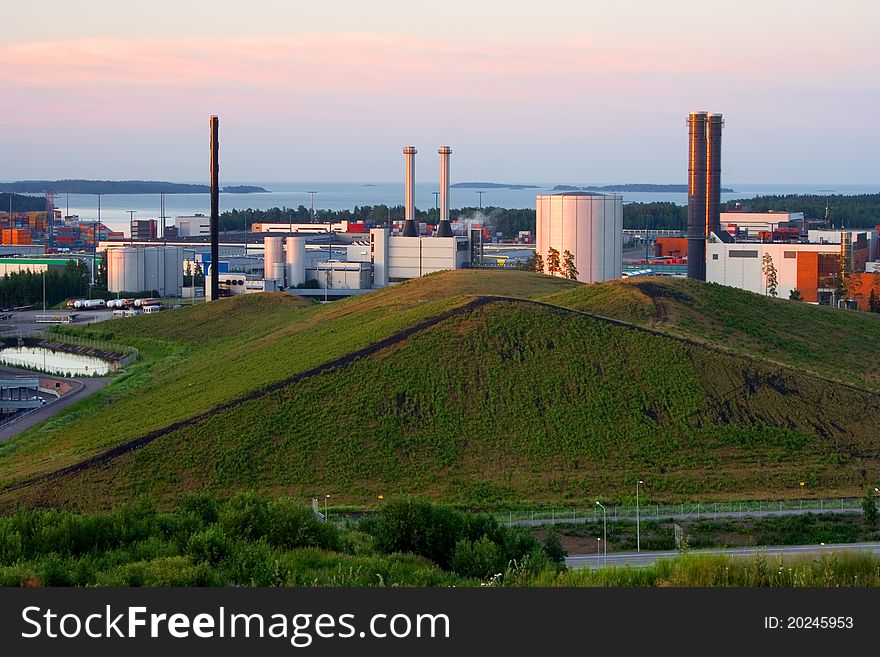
(549,91)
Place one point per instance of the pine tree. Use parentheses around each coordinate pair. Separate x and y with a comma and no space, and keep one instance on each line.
(770,275)
(553,264)
(568,267)
(539,263)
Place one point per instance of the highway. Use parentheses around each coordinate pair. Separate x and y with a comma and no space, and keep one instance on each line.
(647,558)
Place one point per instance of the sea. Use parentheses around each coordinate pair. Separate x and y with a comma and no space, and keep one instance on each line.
(346,195)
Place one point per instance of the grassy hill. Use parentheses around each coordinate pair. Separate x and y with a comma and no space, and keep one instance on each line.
(820,340)
(439,387)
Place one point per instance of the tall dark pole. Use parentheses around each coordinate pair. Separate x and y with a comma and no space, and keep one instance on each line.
(697,224)
(215,211)
(481,199)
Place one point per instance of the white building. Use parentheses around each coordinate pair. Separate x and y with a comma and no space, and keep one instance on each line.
(751,223)
(194,226)
(145,268)
(396,258)
(590,226)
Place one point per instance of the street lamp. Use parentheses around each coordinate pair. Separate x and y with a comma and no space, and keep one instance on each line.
(326,497)
(131,214)
(638,527)
(312,195)
(598,550)
(604,529)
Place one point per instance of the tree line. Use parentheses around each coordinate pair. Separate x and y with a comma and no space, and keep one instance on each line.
(25,288)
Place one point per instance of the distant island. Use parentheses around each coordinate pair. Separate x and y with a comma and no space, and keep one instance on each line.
(118,187)
(631,187)
(488,185)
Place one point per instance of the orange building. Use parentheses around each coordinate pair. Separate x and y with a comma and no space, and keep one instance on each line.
(676,247)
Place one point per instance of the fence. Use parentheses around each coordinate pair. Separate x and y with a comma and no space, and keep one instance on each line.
(682,511)
(126,354)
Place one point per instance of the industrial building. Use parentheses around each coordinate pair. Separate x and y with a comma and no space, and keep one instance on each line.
(812,267)
(145,268)
(35,265)
(143,229)
(590,226)
(197,225)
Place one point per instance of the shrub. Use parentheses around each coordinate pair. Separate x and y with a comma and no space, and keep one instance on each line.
(245,516)
(292,525)
(481,558)
(211,545)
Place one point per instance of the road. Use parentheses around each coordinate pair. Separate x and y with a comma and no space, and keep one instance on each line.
(86,386)
(647,558)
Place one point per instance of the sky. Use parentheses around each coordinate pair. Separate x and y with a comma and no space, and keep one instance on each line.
(587,91)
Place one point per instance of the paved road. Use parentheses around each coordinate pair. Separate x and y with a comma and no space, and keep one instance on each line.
(87,386)
(647,558)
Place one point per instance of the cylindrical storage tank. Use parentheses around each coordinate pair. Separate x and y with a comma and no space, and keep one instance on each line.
(589,226)
(295,256)
(273,255)
(278,272)
(173,271)
(125,269)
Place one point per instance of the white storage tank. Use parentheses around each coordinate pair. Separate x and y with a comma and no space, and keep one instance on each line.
(590,226)
(273,259)
(295,256)
(141,269)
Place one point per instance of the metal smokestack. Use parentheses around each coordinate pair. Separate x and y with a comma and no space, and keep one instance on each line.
(696,228)
(444,228)
(714,123)
(215,210)
(410,228)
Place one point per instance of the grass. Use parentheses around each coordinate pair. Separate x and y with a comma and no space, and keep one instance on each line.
(196,358)
(820,340)
(504,403)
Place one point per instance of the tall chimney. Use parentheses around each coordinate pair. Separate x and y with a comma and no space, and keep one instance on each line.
(215,211)
(410,228)
(696,227)
(714,123)
(444,228)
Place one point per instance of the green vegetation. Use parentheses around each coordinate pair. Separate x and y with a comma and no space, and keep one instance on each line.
(254,541)
(822,341)
(487,404)
(26,288)
(832,570)
(22,203)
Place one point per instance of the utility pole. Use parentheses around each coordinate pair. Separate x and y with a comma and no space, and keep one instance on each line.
(131,214)
(481,199)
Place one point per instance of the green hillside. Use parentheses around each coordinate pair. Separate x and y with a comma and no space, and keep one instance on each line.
(453,394)
(817,339)
(195,359)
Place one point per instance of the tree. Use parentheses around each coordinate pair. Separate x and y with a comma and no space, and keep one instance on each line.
(553,264)
(568,268)
(539,263)
(795,295)
(872,302)
(188,274)
(869,509)
(770,276)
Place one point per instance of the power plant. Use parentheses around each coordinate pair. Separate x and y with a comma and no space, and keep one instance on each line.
(704,187)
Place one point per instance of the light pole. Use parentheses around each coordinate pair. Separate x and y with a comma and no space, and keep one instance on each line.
(598,550)
(312,195)
(638,526)
(436,206)
(131,214)
(326,497)
(604,529)
(44,290)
